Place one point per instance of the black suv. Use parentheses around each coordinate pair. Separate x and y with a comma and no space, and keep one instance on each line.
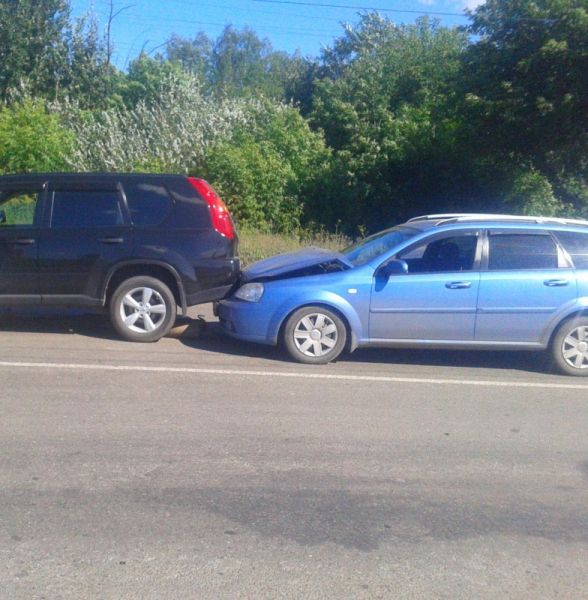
(139,245)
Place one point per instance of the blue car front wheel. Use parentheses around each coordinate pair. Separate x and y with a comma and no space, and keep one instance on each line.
(314,335)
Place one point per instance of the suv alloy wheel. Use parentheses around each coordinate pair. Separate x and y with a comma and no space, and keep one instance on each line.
(143,309)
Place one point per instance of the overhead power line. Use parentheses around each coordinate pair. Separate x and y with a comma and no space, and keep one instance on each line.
(265,28)
(374,8)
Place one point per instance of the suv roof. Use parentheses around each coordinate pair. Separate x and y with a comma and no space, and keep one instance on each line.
(85,177)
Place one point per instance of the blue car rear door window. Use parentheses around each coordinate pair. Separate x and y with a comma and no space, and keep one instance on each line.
(526,251)
(576,245)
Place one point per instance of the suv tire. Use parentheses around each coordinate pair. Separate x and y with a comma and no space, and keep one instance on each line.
(143,309)
(314,335)
(569,347)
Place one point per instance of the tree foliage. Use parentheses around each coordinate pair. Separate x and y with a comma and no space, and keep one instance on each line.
(170,132)
(33,52)
(527,76)
(32,140)
(266,170)
(390,121)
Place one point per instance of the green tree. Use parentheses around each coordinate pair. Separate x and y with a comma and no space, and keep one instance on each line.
(242,64)
(32,140)
(33,53)
(532,194)
(526,84)
(90,79)
(146,78)
(194,56)
(269,168)
(387,107)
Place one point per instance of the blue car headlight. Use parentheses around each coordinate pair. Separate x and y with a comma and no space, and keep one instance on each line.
(250,292)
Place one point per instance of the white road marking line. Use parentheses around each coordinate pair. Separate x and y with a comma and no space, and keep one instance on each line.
(293,374)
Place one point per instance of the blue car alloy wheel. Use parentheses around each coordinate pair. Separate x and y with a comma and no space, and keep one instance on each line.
(314,335)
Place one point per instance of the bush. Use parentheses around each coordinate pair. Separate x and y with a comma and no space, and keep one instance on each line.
(532,194)
(266,170)
(253,180)
(32,140)
(171,133)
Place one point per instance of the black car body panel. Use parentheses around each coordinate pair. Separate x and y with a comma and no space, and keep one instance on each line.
(90,229)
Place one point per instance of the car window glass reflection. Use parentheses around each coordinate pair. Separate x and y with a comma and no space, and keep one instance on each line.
(86,209)
(521,251)
(377,245)
(18,209)
(456,253)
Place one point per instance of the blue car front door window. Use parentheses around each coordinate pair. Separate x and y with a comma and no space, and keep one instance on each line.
(377,245)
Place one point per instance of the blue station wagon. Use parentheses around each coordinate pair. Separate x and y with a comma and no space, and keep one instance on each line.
(455,281)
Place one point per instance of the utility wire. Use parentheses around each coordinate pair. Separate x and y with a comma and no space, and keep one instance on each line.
(272,29)
(374,8)
(249,10)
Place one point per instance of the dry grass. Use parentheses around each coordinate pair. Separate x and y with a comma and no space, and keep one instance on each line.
(255,246)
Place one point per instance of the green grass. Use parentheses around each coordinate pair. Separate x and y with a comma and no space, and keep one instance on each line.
(254,245)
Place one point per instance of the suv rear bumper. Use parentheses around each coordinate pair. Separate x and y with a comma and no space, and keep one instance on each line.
(210,295)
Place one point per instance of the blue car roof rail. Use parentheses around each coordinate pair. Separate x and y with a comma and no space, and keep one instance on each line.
(438,217)
(444,219)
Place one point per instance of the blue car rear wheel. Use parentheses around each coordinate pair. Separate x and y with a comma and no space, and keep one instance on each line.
(570,347)
(314,335)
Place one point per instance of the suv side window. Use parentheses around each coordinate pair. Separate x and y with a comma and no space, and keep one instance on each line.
(149,204)
(576,245)
(86,209)
(18,209)
(521,251)
(446,254)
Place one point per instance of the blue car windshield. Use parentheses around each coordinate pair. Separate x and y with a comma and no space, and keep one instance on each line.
(377,245)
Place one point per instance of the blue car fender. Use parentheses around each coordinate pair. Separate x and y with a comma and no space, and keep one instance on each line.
(324,298)
(578,305)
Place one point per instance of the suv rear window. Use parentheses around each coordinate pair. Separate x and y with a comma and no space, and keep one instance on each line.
(86,209)
(576,245)
(148,203)
(510,252)
(18,208)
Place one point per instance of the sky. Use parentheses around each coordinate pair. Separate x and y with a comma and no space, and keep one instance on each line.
(290,25)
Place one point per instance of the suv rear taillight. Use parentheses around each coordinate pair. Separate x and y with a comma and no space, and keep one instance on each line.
(221,218)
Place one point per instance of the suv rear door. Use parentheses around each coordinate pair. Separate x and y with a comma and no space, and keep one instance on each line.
(20,214)
(525,280)
(86,231)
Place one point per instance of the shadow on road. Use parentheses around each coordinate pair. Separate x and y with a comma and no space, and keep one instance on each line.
(63,321)
(213,340)
(207,335)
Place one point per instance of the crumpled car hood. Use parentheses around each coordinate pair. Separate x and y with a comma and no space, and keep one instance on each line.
(310,261)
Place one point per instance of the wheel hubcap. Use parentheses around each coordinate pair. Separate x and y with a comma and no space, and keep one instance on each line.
(575,348)
(143,310)
(315,335)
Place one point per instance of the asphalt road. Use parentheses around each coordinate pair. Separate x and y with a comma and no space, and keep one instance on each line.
(207,469)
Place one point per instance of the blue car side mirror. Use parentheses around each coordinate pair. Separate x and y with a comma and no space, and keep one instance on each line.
(395,267)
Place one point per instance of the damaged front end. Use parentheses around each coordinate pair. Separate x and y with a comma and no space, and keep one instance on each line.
(304,263)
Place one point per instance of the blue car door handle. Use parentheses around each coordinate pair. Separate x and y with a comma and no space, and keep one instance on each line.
(458,285)
(111,240)
(556,282)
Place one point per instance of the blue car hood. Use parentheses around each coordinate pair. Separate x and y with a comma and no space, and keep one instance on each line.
(295,264)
